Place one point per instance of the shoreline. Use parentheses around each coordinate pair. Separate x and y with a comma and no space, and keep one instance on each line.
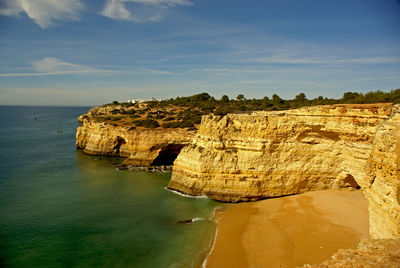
(211,244)
(289,231)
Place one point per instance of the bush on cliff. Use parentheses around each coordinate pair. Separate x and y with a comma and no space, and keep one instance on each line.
(116,111)
(178,124)
(169,118)
(185,112)
(147,123)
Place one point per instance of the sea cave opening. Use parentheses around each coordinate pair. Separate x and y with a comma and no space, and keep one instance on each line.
(167,155)
(350,181)
(120,142)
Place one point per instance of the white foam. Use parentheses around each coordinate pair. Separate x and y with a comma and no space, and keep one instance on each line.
(214,239)
(186,195)
(197,219)
(211,217)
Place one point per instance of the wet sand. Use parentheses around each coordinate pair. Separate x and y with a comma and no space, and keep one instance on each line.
(289,231)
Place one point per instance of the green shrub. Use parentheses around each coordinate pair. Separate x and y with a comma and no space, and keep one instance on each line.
(178,124)
(169,118)
(147,123)
(115,111)
(127,104)
(170,125)
(223,110)
(159,116)
(186,123)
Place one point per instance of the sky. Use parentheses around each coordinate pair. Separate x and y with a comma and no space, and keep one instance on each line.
(91,52)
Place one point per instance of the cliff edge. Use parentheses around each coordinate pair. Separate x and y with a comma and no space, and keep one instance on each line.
(245,157)
(110,130)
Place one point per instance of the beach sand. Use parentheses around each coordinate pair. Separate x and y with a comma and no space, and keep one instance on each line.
(289,231)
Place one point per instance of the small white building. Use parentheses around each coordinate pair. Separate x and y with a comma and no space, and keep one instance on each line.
(139,100)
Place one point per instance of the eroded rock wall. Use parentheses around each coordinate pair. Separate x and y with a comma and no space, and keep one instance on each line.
(242,157)
(368,254)
(140,146)
(383,193)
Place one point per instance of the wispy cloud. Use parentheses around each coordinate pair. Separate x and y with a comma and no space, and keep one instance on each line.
(144,10)
(43,12)
(48,64)
(163,3)
(52,66)
(285,59)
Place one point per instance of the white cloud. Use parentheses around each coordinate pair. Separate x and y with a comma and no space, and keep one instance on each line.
(52,66)
(115,9)
(43,12)
(48,64)
(145,10)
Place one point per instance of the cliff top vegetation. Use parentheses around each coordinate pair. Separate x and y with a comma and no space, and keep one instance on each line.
(186,112)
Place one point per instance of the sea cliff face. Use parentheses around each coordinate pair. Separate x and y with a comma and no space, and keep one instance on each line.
(140,146)
(244,157)
(369,253)
(383,192)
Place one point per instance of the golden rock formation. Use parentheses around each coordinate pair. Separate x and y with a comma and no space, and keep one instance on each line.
(244,157)
(139,146)
(368,254)
(383,192)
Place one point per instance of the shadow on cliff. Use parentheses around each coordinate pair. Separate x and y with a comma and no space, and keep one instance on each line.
(120,141)
(167,155)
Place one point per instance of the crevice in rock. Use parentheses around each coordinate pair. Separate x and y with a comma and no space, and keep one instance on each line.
(372,182)
(167,155)
(398,195)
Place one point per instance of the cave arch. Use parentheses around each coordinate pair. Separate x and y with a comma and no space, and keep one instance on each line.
(167,155)
(349,180)
(117,147)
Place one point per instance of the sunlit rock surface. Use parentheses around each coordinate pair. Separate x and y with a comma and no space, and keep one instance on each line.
(140,146)
(244,157)
(368,254)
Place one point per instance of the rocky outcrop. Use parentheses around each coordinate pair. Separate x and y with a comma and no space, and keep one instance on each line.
(244,157)
(369,253)
(140,146)
(383,192)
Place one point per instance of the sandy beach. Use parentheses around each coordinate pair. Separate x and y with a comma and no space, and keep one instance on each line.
(289,231)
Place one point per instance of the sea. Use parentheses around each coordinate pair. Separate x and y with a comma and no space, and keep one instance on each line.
(62,208)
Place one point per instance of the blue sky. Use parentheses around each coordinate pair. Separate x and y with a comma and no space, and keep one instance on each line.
(82,52)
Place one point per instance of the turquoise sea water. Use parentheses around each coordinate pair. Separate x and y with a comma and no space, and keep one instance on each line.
(61,208)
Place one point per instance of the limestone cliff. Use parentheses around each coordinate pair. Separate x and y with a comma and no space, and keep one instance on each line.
(369,254)
(140,146)
(383,192)
(243,157)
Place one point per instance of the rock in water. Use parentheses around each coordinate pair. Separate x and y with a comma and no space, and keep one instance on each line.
(185,221)
(194,220)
